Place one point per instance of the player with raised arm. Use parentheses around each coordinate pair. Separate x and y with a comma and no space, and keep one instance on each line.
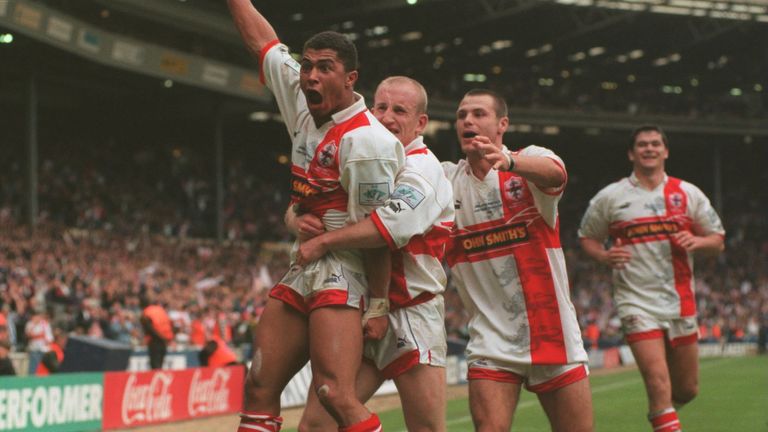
(509,268)
(655,223)
(344,165)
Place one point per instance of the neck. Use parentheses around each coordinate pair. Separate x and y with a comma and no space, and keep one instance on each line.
(478,165)
(649,179)
(347,101)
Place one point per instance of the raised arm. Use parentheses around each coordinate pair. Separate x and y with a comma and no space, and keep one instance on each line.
(255,30)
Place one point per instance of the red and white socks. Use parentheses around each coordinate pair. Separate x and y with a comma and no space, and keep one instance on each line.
(665,421)
(251,421)
(372,424)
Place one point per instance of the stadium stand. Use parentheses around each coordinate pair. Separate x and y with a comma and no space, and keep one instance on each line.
(128,193)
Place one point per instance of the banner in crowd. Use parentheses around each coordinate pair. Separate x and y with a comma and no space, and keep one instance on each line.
(58,403)
(144,398)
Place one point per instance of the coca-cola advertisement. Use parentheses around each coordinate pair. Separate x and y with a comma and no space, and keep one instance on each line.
(142,398)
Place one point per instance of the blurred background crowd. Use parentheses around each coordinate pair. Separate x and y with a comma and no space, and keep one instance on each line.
(114,237)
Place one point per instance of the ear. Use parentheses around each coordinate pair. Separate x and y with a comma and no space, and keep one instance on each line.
(351,79)
(631,155)
(423,120)
(503,125)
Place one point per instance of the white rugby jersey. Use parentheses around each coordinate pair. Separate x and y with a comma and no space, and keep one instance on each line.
(416,222)
(508,265)
(658,279)
(343,170)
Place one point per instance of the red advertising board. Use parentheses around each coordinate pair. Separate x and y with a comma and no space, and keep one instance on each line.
(143,398)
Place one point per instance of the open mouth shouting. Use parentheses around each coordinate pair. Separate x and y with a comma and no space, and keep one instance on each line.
(313,97)
(469,134)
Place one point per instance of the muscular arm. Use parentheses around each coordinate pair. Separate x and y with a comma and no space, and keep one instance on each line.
(255,30)
(539,170)
(542,171)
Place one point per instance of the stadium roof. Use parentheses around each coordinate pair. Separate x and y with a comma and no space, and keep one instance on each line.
(576,55)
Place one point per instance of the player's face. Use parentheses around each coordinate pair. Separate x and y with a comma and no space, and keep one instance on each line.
(476,116)
(396,107)
(649,151)
(325,83)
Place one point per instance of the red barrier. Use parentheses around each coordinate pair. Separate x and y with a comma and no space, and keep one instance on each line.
(143,398)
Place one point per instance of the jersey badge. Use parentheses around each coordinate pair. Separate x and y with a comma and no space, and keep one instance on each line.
(513,188)
(327,154)
(373,194)
(408,195)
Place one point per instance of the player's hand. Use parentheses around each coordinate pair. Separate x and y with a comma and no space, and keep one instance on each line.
(617,256)
(491,152)
(308,226)
(687,240)
(309,251)
(376,328)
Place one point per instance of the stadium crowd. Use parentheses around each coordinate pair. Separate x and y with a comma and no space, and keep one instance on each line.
(107,243)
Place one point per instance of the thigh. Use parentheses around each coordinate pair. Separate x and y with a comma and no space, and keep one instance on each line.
(493,404)
(683,363)
(569,408)
(650,355)
(336,344)
(280,345)
(422,394)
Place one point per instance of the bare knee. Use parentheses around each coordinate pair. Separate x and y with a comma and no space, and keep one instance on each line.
(258,392)
(490,424)
(685,394)
(334,399)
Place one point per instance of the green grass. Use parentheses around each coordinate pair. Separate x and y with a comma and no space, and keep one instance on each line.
(733,396)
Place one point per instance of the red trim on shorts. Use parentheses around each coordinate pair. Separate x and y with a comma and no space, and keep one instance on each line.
(650,334)
(329,297)
(287,295)
(262,54)
(684,340)
(493,375)
(401,365)
(383,231)
(566,379)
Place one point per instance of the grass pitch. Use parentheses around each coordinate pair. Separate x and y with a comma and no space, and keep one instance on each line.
(733,396)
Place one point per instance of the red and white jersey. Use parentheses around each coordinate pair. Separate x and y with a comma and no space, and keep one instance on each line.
(658,279)
(416,222)
(343,170)
(509,268)
(39,335)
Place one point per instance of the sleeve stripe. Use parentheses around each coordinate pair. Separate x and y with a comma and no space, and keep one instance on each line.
(262,54)
(383,231)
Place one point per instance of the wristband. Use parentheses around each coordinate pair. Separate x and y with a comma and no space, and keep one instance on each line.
(377,307)
(511,162)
